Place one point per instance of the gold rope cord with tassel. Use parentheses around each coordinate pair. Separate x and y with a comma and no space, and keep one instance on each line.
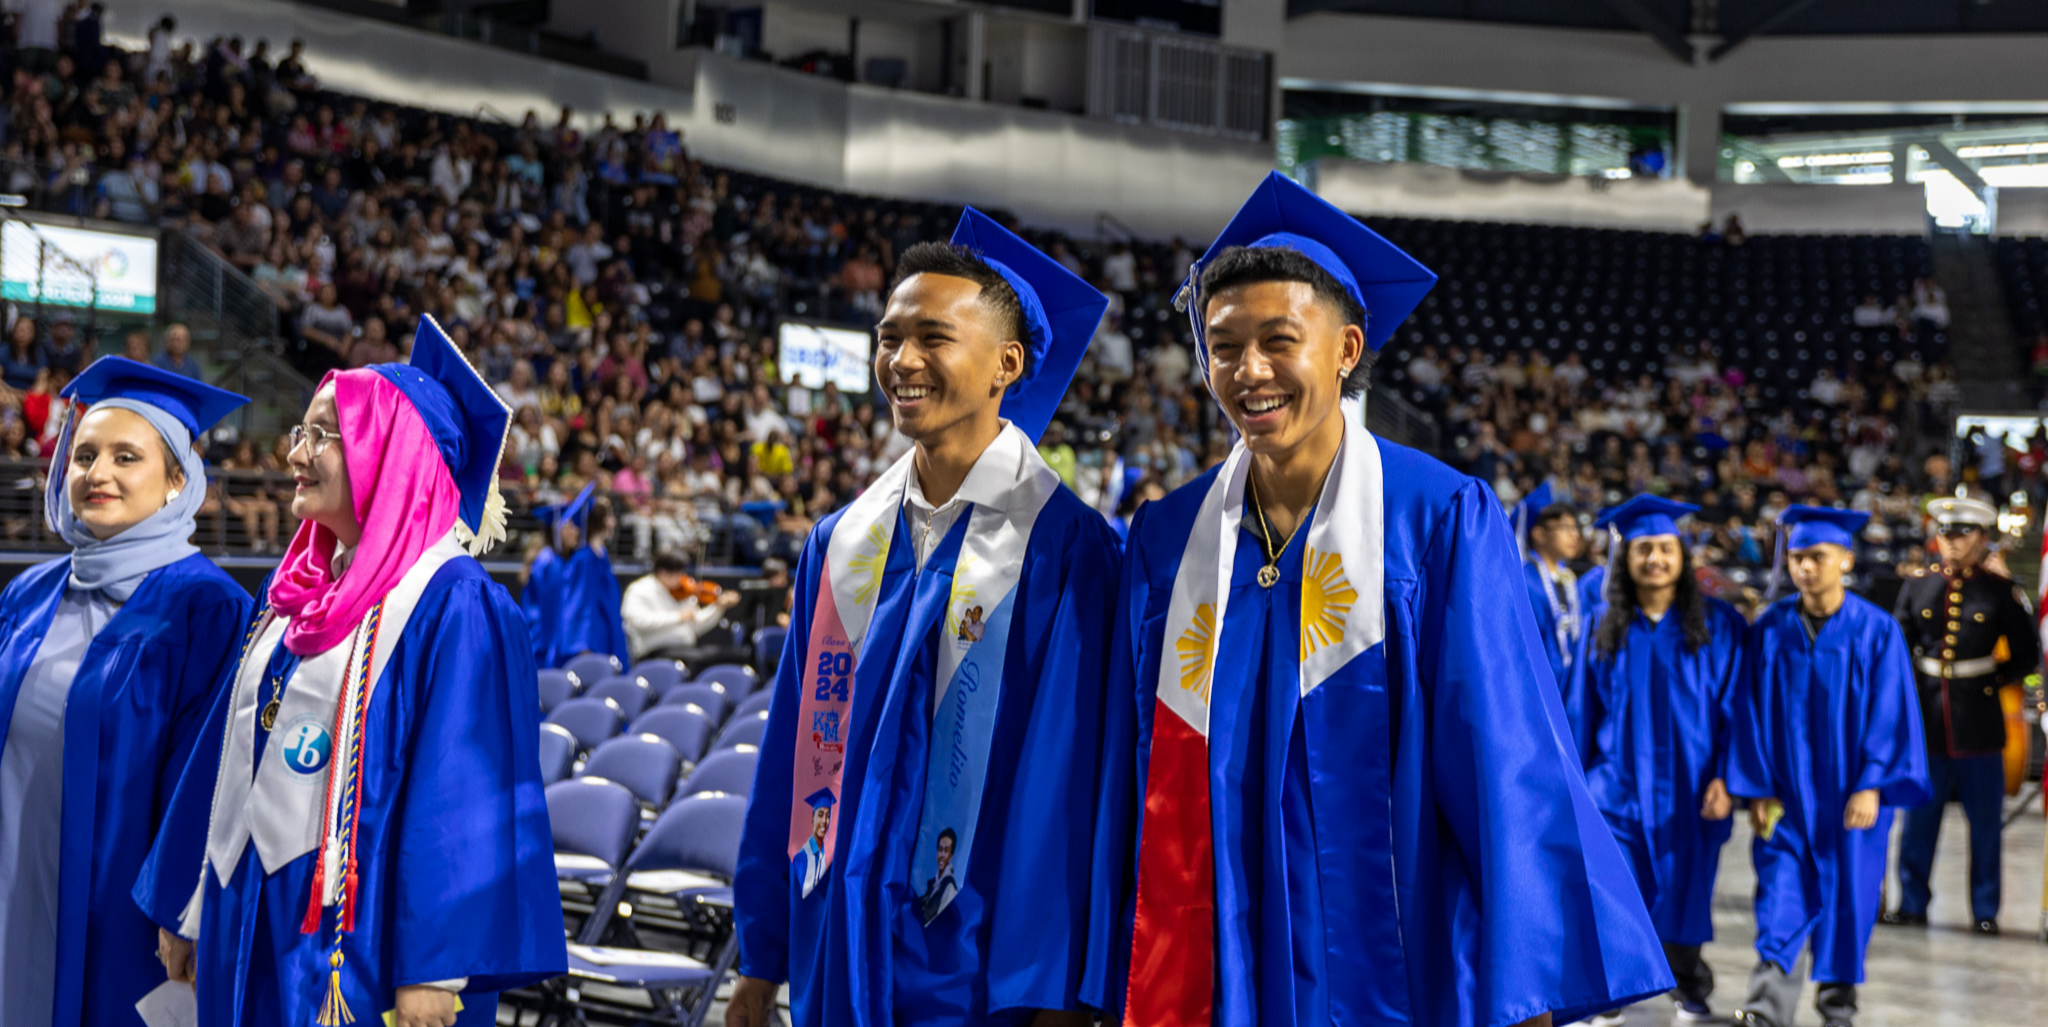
(334,1011)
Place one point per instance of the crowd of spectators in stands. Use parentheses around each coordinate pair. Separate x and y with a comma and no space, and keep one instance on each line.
(624,299)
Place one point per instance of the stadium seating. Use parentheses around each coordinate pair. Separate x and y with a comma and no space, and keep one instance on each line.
(645,764)
(592,721)
(711,698)
(590,668)
(685,727)
(730,771)
(661,675)
(742,731)
(630,692)
(556,688)
(738,679)
(558,749)
(756,703)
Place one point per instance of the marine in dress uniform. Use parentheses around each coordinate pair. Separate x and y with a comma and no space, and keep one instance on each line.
(1955,619)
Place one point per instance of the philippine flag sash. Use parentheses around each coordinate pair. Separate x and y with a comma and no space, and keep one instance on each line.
(1343,614)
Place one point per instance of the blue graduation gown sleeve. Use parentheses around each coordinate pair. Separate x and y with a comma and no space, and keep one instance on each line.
(1529,905)
(133,714)
(1039,921)
(538,599)
(1113,859)
(477,897)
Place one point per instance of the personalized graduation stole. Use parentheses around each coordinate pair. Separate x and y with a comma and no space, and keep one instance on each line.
(1343,614)
(848,585)
(972,650)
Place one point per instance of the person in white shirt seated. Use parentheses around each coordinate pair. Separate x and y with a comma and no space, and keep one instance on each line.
(663,616)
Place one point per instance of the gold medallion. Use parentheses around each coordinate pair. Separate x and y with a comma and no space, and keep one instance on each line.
(1268,575)
(269,717)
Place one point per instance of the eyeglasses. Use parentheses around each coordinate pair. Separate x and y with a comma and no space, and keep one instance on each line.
(314,437)
(1957,530)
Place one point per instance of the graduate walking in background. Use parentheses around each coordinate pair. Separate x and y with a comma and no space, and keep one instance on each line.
(1826,740)
(916,846)
(1653,695)
(361,832)
(1971,633)
(108,660)
(572,597)
(1340,789)
(1551,540)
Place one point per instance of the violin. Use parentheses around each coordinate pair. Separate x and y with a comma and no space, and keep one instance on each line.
(705,591)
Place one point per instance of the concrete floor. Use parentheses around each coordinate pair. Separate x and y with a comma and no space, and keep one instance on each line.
(1940,976)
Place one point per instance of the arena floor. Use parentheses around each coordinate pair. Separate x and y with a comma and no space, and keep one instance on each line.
(1942,976)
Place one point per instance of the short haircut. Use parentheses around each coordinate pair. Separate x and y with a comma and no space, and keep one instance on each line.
(668,561)
(947,835)
(1245,265)
(1553,512)
(943,258)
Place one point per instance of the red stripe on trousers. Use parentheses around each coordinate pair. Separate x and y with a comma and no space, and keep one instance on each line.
(1173,947)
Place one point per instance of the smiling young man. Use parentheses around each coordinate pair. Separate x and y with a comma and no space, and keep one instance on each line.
(1826,737)
(979,745)
(1338,789)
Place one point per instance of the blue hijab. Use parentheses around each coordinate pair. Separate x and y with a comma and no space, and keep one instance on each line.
(116,566)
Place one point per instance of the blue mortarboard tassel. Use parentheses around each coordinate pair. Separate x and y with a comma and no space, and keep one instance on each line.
(192,403)
(468,422)
(1386,282)
(1060,315)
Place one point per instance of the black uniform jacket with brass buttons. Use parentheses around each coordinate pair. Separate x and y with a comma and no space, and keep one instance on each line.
(1958,620)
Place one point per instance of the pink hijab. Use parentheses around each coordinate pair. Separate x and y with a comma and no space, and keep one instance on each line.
(404,498)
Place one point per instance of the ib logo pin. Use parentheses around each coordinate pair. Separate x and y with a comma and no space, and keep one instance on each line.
(305,745)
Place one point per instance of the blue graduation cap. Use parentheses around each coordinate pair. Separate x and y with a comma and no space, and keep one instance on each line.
(192,403)
(468,422)
(1525,513)
(820,799)
(1060,315)
(1385,281)
(1643,516)
(576,511)
(1810,526)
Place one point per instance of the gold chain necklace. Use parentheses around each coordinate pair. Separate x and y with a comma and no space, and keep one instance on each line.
(1269,575)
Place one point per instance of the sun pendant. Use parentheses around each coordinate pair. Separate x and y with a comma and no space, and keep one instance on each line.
(270,715)
(1268,575)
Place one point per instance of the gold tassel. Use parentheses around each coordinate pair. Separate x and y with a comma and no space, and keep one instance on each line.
(334,1012)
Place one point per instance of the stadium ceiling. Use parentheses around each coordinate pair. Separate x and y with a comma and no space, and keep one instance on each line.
(1691,30)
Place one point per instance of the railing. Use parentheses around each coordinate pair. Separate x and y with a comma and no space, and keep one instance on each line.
(248,513)
(234,326)
(59,278)
(80,190)
(1397,420)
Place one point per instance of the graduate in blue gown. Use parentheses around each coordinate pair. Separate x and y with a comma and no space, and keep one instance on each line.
(1549,533)
(1655,692)
(1827,740)
(572,597)
(387,670)
(108,659)
(943,679)
(1339,784)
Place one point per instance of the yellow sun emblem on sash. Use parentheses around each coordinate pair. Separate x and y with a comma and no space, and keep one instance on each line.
(1326,598)
(869,565)
(1197,648)
(963,594)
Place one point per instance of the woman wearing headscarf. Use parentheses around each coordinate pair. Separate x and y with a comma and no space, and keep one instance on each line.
(107,660)
(362,833)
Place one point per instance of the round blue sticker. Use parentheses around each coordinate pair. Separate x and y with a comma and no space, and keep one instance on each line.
(305,745)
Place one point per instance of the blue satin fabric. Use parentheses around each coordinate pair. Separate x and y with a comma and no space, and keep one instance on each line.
(1655,732)
(1424,850)
(132,716)
(451,789)
(1822,720)
(854,951)
(572,607)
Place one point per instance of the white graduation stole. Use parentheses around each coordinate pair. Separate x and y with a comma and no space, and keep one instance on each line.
(280,806)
